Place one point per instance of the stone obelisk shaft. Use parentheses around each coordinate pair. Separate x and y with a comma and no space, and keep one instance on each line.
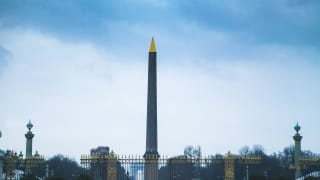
(151,155)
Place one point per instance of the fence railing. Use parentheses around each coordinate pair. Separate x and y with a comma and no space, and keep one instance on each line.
(112,167)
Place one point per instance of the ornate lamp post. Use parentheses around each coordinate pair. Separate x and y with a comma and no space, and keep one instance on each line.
(300,161)
(297,151)
(12,161)
(30,160)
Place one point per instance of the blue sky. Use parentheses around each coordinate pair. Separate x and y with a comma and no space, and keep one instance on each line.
(230,74)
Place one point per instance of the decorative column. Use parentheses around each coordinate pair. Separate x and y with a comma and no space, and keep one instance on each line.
(151,155)
(229,166)
(297,151)
(28,159)
(112,166)
(29,135)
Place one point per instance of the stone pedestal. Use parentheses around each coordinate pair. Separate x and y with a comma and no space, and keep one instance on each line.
(151,168)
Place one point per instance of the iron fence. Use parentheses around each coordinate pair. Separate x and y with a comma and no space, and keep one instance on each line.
(112,167)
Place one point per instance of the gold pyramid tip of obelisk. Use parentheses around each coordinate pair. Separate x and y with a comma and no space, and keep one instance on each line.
(152,46)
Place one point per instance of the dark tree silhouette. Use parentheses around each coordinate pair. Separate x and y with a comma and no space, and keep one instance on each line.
(55,178)
(29,177)
(64,167)
(85,177)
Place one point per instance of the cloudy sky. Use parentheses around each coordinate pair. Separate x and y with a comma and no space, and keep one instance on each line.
(230,74)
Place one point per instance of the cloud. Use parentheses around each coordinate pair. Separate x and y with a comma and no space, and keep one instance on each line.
(227,70)
(89,96)
(284,22)
(288,22)
(54,82)
(4,58)
(72,20)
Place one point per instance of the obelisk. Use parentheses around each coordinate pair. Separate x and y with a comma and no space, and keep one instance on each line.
(151,155)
